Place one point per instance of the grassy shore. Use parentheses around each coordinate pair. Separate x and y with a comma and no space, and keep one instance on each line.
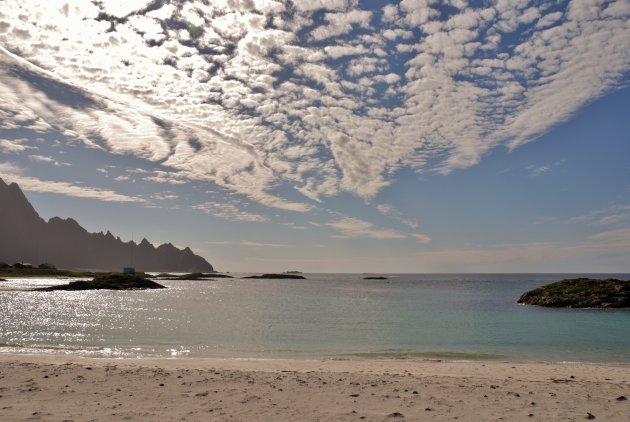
(36,272)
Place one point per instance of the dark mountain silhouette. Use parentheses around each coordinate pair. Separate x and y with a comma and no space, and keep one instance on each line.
(25,236)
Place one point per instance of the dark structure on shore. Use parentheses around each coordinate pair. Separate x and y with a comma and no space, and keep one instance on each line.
(25,236)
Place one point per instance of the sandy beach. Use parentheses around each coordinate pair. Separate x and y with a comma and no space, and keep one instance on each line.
(71,388)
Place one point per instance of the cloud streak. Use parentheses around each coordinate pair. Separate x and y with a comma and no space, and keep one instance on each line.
(230,211)
(350,228)
(10,174)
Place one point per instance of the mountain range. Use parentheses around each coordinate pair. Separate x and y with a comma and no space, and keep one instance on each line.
(26,237)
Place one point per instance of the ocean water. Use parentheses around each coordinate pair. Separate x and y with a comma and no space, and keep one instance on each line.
(461,316)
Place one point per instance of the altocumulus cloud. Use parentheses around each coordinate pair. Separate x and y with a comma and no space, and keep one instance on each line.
(317,96)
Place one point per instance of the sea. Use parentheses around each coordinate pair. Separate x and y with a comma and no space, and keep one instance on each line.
(338,316)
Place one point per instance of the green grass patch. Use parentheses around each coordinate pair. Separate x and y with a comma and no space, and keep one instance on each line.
(589,287)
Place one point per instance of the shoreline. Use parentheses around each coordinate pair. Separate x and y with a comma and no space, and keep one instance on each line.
(70,387)
(54,354)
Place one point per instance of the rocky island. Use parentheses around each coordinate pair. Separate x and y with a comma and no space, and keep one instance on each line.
(191,276)
(278,276)
(581,293)
(109,282)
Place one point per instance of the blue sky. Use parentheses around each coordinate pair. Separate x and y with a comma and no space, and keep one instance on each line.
(331,135)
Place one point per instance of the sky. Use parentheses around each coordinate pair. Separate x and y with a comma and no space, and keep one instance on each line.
(328,135)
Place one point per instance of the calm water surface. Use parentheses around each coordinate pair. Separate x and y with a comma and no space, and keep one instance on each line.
(461,316)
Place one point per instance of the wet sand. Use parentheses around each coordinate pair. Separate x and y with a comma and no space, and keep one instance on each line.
(70,388)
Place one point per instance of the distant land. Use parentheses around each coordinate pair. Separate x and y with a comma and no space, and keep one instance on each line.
(26,237)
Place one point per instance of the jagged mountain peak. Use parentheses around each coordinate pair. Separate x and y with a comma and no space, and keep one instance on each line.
(66,244)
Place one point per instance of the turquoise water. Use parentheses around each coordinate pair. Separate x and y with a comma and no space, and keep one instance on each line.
(327,315)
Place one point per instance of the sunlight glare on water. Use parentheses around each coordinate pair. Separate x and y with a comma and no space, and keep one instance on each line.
(461,316)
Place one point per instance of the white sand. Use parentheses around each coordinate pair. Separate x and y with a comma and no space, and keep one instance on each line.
(67,388)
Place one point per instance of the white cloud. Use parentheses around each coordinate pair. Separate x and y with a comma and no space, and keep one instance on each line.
(341,23)
(229,211)
(256,111)
(548,19)
(249,243)
(12,174)
(391,211)
(121,8)
(10,169)
(353,227)
(313,5)
(390,13)
(337,51)
(386,209)
(14,145)
(162,196)
(422,238)
(46,159)
(614,214)
(539,170)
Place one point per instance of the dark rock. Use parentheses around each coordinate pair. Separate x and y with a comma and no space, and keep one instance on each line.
(278,276)
(396,415)
(621,398)
(374,278)
(581,293)
(589,416)
(108,282)
(191,276)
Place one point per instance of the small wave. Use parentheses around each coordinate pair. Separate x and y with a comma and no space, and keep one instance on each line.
(399,354)
(3,345)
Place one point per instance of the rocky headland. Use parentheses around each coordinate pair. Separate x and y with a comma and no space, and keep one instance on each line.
(581,293)
(26,237)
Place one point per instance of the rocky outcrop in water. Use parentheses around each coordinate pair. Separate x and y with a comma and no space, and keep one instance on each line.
(191,276)
(581,293)
(63,242)
(109,282)
(278,276)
